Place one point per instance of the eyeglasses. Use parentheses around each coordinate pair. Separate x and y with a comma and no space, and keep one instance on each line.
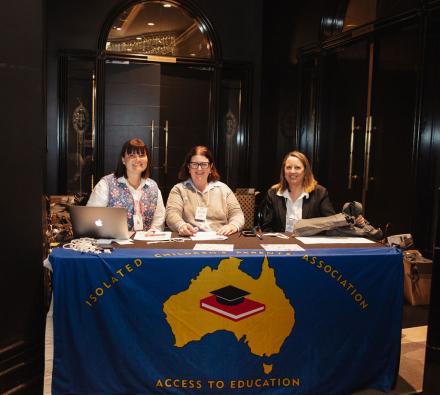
(196,165)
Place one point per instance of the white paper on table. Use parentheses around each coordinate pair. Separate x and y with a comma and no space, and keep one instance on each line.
(104,241)
(213,247)
(333,240)
(157,236)
(282,247)
(211,235)
(101,242)
(123,242)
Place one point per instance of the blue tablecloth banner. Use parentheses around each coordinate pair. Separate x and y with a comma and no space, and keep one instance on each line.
(141,322)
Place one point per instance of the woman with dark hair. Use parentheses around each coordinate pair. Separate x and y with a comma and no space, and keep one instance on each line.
(296,196)
(130,187)
(201,201)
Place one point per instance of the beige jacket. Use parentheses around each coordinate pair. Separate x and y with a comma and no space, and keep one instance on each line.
(223,207)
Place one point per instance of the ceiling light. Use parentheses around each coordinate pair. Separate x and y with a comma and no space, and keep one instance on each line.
(167,5)
(192,54)
(138,38)
(150,23)
(119,28)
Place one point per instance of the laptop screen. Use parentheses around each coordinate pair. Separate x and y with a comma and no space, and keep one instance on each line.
(99,222)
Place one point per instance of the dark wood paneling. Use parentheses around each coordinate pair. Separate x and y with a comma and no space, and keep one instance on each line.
(23,140)
(344,90)
(428,172)
(283,29)
(391,189)
(129,108)
(185,102)
(428,210)
(387,8)
(129,114)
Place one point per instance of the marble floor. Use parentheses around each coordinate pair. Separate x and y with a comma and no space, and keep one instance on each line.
(412,361)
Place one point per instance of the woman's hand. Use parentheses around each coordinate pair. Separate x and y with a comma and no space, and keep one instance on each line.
(188,230)
(227,230)
(360,221)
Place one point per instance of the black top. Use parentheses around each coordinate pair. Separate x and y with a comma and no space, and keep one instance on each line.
(274,208)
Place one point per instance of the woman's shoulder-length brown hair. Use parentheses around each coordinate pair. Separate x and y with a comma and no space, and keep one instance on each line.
(198,150)
(133,146)
(309,182)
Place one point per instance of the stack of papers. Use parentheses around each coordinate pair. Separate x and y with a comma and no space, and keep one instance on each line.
(101,242)
(207,236)
(334,240)
(213,247)
(282,247)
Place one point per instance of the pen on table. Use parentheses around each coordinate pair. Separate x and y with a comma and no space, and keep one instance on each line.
(254,229)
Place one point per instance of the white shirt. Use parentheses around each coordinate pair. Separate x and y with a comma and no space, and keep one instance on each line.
(99,198)
(293,209)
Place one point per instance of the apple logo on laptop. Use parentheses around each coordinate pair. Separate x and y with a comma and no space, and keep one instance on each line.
(98,222)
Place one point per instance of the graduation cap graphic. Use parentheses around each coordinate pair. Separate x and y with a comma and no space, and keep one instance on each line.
(230,302)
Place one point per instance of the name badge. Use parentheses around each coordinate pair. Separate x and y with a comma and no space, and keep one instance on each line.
(138,223)
(201,213)
(290,224)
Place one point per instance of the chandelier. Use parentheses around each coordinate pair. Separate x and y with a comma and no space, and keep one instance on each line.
(150,43)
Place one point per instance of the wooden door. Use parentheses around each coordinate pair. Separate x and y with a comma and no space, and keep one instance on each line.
(132,97)
(168,106)
(339,163)
(185,117)
(366,145)
(390,187)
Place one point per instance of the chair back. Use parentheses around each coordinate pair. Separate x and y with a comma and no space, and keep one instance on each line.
(246,198)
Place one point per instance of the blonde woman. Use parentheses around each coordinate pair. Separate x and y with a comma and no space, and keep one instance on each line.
(296,196)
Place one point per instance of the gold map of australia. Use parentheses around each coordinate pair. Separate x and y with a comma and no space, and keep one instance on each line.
(264,333)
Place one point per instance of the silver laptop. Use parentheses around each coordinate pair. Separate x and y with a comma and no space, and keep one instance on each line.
(99,222)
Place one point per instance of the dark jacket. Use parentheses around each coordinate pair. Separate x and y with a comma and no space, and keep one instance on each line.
(273,209)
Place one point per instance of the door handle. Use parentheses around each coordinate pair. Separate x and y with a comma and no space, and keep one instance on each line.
(165,164)
(152,141)
(351,176)
(367,153)
(92,180)
(368,135)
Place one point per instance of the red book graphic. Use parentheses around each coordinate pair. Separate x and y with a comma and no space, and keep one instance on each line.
(236,312)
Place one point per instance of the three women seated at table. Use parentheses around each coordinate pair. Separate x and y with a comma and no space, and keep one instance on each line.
(199,202)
